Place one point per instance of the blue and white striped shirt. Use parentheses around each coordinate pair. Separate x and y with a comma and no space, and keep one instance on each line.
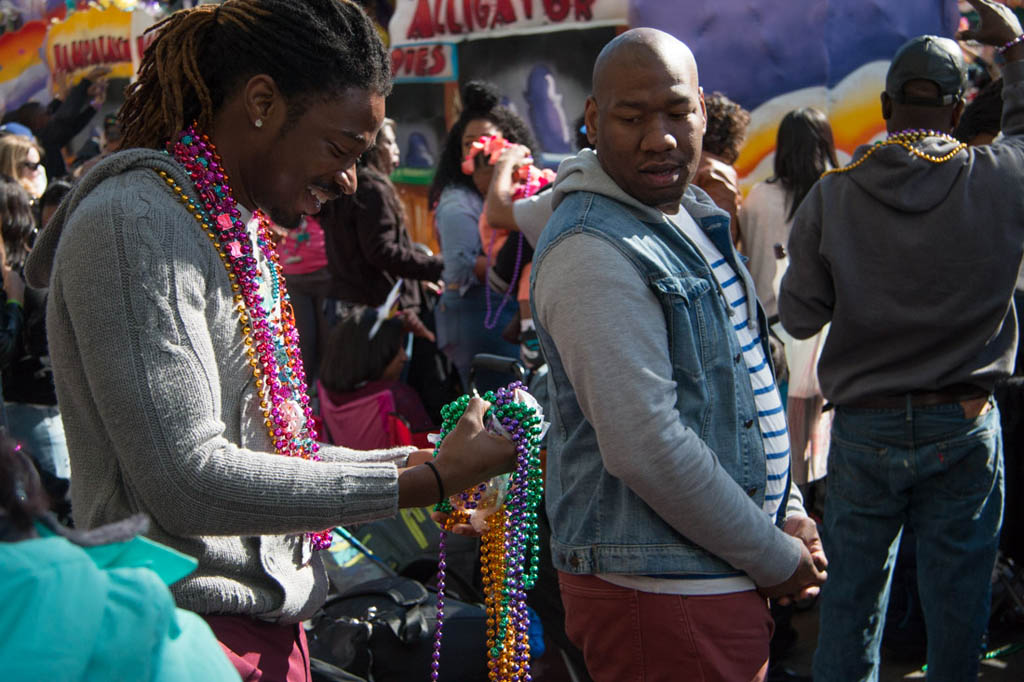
(771,416)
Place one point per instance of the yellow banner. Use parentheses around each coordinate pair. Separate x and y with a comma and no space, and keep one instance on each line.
(87,39)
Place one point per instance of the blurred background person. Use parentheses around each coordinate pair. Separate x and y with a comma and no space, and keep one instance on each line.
(457,199)
(369,250)
(804,149)
(21,159)
(55,125)
(727,128)
(12,318)
(30,399)
(368,245)
(363,358)
(98,148)
(48,203)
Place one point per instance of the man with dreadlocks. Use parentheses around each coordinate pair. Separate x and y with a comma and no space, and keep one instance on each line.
(174,350)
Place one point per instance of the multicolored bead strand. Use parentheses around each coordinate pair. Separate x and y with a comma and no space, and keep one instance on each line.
(906,139)
(271,340)
(511,536)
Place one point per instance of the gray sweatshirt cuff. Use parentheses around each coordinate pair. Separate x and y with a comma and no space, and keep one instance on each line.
(778,562)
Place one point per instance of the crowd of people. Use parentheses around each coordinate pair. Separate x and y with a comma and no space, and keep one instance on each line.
(191,296)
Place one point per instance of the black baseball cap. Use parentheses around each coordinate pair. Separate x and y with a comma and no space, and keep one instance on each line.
(930,58)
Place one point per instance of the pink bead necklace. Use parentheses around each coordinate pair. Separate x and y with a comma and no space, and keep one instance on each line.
(268,327)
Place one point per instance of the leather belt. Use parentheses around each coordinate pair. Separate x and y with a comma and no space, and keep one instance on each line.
(945,396)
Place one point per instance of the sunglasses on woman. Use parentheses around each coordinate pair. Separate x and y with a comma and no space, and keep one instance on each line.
(32,166)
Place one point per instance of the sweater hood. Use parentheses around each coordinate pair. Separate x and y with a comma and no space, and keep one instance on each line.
(583,173)
(904,181)
(39,265)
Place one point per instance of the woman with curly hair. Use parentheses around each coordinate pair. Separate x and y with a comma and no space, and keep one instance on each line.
(457,199)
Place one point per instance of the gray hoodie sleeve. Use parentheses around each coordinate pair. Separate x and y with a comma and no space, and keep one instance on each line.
(611,336)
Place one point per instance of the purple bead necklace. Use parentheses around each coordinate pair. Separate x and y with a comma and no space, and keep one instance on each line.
(489,322)
(510,537)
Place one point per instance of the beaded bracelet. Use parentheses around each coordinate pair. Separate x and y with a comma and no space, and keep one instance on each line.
(1010,44)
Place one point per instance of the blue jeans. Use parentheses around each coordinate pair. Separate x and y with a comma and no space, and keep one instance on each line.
(40,430)
(461,333)
(939,473)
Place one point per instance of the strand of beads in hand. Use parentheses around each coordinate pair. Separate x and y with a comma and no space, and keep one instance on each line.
(505,509)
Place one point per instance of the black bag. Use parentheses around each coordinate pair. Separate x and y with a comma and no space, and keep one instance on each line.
(383,631)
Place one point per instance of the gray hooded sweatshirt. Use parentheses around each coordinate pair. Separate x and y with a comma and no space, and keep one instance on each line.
(914,263)
(160,406)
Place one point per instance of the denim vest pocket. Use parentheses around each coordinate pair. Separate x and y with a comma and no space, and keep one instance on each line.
(689,316)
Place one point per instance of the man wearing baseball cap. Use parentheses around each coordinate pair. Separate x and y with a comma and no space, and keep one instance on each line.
(912,252)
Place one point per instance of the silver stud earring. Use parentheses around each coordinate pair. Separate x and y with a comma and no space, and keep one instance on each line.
(258,123)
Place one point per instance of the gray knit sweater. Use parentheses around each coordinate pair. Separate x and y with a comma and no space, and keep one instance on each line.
(160,406)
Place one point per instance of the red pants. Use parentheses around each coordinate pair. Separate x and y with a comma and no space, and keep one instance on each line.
(263,651)
(631,636)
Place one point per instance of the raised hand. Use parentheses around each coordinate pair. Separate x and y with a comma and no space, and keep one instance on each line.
(997,26)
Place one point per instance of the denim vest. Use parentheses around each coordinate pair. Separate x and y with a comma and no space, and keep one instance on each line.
(617,532)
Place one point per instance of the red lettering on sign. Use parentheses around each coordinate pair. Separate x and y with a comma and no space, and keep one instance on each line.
(423,61)
(420,67)
(453,25)
(584,9)
(481,13)
(442,17)
(143,42)
(422,25)
(504,13)
(557,10)
(81,54)
(440,62)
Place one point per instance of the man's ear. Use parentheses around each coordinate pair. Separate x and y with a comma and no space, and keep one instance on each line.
(703,109)
(958,111)
(264,103)
(886,105)
(590,120)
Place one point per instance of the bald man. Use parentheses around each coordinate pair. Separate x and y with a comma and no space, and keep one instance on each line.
(668,459)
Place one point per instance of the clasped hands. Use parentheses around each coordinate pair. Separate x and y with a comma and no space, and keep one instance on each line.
(810,572)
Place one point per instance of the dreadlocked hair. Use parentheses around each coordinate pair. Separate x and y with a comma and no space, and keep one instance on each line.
(200,55)
(480,100)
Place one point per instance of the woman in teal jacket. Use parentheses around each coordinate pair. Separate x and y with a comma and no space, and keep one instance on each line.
(91,606)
